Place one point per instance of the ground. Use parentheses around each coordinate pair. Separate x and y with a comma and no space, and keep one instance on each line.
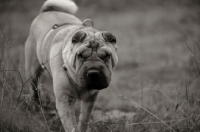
(155,86)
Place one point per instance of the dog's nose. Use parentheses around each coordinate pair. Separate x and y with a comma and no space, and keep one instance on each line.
(93,74)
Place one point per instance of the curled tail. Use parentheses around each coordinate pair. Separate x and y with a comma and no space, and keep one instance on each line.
(67,6)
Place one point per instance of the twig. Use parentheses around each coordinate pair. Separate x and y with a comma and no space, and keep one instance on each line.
(198,46)
(17,105)
(192,54)
(195,59)
(143,123)
(41,107)
(148,112)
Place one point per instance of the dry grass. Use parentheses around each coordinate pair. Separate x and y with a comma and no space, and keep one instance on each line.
(154,88)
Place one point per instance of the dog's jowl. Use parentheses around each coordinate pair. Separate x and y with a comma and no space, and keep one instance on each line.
(79,58)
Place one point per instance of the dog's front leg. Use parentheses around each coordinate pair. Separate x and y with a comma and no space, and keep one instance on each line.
(86,109)
(65,104)
(64,91)
(65,101)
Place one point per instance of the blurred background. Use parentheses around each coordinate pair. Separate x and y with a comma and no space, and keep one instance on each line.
(155,86)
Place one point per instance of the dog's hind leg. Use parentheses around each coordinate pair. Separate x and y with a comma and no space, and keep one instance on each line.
(33,68)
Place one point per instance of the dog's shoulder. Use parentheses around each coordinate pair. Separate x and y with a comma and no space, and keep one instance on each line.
(44,22)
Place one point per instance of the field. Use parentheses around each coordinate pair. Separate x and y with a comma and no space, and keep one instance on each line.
(155,86)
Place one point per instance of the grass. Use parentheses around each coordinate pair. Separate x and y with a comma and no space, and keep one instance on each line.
(155,86)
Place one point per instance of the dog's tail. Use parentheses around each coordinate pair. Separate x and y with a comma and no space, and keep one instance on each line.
(68,6)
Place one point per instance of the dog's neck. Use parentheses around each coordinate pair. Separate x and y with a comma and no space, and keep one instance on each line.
(70,78)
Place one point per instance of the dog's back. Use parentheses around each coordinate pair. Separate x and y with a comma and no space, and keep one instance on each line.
(67,6)
(52,12)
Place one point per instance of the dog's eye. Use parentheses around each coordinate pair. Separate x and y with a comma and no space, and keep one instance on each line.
(109,37)
(78,37)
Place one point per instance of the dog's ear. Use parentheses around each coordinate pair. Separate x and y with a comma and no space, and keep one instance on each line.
(109,37)
(79,37)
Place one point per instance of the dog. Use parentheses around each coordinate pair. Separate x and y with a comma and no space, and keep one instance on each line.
(79,58)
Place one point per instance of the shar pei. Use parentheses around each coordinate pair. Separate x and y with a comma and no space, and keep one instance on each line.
(79,58)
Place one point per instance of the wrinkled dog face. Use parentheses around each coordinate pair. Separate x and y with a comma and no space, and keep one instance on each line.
(93,57)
